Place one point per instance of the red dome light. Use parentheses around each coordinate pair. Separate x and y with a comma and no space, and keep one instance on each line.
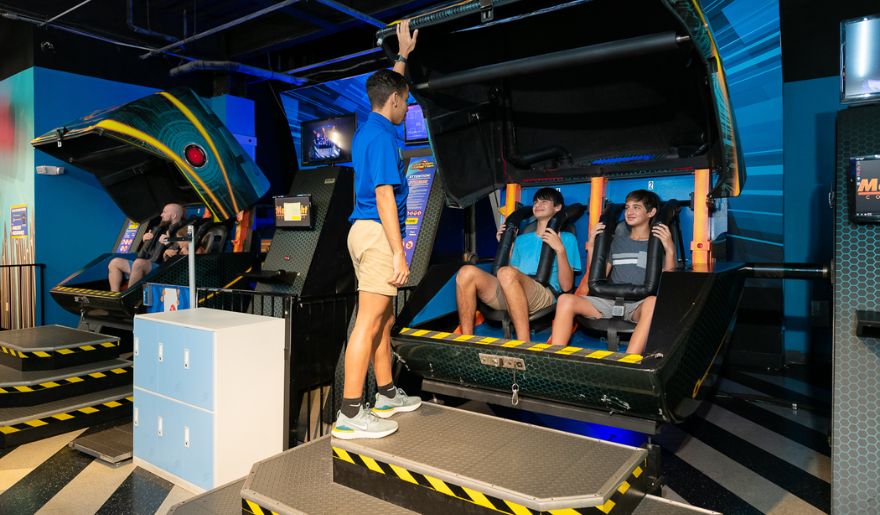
(195,155)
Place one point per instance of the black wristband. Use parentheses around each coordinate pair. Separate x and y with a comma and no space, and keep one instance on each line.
(399,59)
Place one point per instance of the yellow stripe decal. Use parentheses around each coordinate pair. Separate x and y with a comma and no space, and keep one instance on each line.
(631,358)
(62,416)
(97,375)
(518,509)
(64,352)
(119,371)
(42,354)
(201,128)
(87,347)
(88,410)
(566,511)
(112,404)
(513,343)
(439,485)
(8,430)
(121,128)
(36,423)
(570,349)
(599,354)
(371,464)
(479,498)
(539,346)
(440,336)
(255,508)
(343,454)
(108,345)
(607,507)
(486,340)
(404,474)
(464,338)
(405,330)
(24,389)
(637,472)
(623,487)
(50,384)
(74,379)
(3,391)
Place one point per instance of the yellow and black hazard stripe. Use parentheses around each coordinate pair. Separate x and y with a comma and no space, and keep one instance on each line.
(475,497)
(58,352)
(543,348)
(87,291)
(248,506)
(86,378)
(57,423)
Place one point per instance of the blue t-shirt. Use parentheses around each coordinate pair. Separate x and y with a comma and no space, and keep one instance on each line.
(376,156)
(527,253)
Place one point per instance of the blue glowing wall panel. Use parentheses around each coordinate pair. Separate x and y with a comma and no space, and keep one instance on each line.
(747,35)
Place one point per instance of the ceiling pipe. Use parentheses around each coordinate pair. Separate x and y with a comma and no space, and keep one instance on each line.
(334,60)
(57,16)
(354,13)
(129,21)
(9,15)
(221,28)
(244,69)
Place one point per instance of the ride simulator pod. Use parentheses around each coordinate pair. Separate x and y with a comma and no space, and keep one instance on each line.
(163,148)
(548,94)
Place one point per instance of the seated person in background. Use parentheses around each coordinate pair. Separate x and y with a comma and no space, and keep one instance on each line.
(627,265)
(513,290)
(171,216)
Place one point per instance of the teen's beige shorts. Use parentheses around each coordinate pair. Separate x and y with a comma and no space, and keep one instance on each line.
(372,257)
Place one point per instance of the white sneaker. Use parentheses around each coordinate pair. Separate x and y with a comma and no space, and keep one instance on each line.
(400,403)
(362,425)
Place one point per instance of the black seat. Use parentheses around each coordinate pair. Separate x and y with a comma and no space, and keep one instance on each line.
(212,237)
(600,286)
(562,221)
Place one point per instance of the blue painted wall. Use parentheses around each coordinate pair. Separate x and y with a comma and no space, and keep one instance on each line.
(75,218)
(810,110)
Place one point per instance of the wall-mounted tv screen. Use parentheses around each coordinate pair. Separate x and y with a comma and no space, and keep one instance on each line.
(864,190)
(860,60)
(328,140)
(415,128)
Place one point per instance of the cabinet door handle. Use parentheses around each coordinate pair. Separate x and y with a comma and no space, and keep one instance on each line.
(161,352)
(186,436)
(186,358)
(137,344)
(134,417)
(159,430)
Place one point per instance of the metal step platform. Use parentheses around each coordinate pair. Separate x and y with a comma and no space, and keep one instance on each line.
(51,347)
(112,446)
(29,388)
(223,500)
(300,480)
(652,505)
(445,460)
(28,423)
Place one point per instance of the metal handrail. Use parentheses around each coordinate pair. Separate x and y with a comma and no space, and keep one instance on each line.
(31,287)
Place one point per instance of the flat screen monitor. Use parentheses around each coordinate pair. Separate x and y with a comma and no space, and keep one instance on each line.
(294,212)
(864,189)
(415,128)
(327,141)
(860,60)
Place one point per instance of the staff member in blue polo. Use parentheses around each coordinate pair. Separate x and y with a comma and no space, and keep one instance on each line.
(375,243)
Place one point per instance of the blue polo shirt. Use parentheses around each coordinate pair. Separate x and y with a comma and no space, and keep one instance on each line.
(376,155)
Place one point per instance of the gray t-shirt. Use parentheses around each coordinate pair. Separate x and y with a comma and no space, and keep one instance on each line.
(629,260)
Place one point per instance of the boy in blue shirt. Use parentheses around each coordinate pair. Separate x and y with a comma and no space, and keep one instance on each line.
(513,289)
(375,243)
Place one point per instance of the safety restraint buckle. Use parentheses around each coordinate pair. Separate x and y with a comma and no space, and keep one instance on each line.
(618,310)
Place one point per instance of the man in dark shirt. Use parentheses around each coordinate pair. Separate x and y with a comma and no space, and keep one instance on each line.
(119,267)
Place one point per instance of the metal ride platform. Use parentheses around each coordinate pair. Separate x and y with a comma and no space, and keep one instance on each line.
(447,460)
(112,446)
(28,423)
(54,346)
(28,388)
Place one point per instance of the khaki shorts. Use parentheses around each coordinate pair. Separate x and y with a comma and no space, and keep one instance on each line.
(537,295)
(372,257)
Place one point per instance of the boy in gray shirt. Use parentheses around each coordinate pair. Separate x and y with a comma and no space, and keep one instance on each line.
(629,255)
